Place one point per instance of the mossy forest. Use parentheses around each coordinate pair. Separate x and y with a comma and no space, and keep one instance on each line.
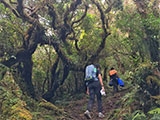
(45,46)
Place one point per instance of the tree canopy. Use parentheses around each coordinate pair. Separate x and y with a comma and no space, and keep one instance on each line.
(46,44)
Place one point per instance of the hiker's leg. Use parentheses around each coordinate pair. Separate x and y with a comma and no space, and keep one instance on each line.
(115,86)
(99,97)
(99,100)
(114,89)
(91,100)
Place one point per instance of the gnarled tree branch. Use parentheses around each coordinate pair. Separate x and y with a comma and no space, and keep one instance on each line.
(105,34)
(83,16)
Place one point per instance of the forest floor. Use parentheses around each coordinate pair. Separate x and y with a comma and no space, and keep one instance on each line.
(77,108)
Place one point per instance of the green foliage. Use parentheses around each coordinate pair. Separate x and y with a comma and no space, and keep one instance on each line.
(12,107)
(138,115)
(115,114)
(11,30)
(16,106)
(43,59)
(141,92)
(13,38)
(48,117)
(136,30)
(155,117)
(152,21)
(154,111)
(129,98)
(90,34)
(3,70)
(88,23)
(140,75)
(127,43)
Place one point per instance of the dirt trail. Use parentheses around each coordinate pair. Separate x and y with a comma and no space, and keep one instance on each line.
(77,108)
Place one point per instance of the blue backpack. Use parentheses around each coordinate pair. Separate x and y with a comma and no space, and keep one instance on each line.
(120,82)
(90,74)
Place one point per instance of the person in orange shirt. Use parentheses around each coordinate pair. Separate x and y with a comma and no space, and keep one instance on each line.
(114,78)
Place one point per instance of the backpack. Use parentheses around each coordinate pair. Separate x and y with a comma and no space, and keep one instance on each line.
(90,74)
(113,74)
(120,82)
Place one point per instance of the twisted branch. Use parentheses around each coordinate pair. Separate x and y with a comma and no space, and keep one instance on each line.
(106,34)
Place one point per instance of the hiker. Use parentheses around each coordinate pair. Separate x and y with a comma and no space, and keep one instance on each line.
(114,79)
(94,86)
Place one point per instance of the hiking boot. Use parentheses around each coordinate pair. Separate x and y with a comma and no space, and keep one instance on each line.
(100,115)
(87,114)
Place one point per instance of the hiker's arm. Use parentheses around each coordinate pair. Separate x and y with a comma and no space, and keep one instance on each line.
(101,82)
(87,91)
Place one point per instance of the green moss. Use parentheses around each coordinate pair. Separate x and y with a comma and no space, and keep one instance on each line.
(50,106)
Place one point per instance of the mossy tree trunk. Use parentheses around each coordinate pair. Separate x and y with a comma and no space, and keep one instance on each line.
(27,75)
(151,39)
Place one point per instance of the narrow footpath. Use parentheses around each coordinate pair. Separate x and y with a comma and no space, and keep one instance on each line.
(77,108)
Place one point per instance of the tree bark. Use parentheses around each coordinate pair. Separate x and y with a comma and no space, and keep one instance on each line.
(105,74)
(57,83)
(27,75)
